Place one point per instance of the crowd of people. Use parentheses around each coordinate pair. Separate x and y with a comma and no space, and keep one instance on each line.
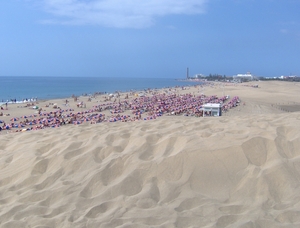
(147,107)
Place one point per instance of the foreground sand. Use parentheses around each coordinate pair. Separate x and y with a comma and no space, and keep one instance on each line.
(238,170)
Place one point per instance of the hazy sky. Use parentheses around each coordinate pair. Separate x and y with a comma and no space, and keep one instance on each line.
(149,38)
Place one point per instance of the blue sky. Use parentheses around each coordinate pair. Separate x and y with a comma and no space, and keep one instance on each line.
(149,38)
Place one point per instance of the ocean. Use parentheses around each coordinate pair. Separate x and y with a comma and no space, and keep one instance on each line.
(21,88)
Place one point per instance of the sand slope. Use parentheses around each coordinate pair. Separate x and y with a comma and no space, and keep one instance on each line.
(239,171)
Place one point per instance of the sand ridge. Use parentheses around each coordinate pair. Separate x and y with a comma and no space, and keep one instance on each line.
(238,170)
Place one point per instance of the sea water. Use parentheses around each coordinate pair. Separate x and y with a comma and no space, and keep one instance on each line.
(22,88)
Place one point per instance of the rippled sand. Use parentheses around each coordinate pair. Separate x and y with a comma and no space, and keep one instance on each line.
(238,170)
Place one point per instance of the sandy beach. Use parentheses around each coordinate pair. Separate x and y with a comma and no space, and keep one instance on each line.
(238,170)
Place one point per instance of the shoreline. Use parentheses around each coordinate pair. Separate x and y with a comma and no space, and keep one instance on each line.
(22,88)
(29,100)
(124,107)
(133,106)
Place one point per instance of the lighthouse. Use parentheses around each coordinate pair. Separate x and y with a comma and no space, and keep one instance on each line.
(187,73)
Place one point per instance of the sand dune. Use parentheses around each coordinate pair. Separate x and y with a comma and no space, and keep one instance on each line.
(238,170)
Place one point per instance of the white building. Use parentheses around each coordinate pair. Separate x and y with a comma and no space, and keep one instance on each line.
(211,109)
(198,76)
(247,76)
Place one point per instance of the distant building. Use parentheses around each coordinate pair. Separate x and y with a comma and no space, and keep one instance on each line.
(198,76)
(240,77)
(282,77)
(287,77)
